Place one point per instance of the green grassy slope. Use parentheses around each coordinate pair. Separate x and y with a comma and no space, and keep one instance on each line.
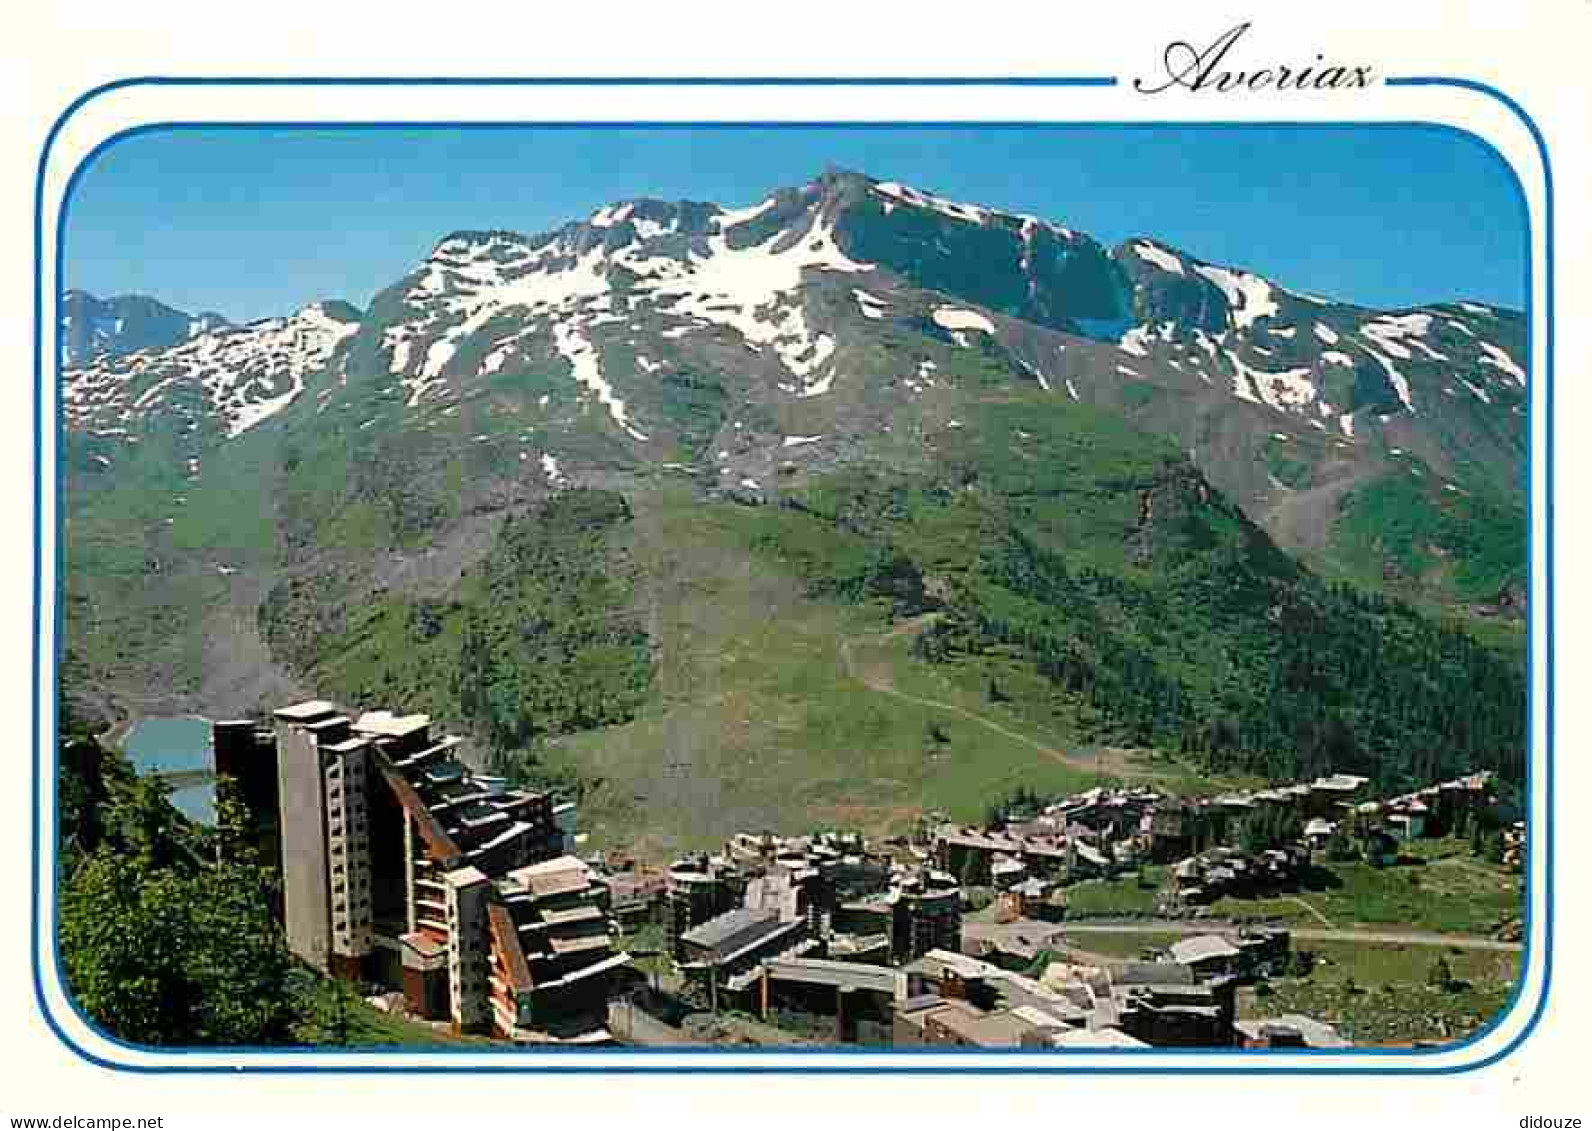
(1009,589)
(1091,580)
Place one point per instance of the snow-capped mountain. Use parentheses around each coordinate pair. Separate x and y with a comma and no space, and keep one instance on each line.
(1299,354)
(234,377)
(91,327)
(846,319)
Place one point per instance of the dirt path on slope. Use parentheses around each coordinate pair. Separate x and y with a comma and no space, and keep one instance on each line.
(1322,919)
(1113,763)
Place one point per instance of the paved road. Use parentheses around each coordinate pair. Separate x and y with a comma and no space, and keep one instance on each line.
(1034,929)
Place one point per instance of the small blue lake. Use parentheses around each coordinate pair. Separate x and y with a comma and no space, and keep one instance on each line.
(177,745)
(196,802)
(163,746)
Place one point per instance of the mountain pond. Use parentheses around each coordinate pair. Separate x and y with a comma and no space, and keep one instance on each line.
(180,747)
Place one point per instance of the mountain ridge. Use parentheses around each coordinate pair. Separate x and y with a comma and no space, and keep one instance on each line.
(1284,398)
(333,458)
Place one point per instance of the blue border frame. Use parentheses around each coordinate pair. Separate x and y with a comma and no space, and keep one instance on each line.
(1044,1060)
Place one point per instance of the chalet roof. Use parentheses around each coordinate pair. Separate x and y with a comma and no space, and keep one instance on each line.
(721,928)
(1154,974)
(468,876)
(439,844)
(1339,783)
(1038,1018)
(973,839)
(821,971)
(919,1003)
(554,877)
(857,944)
(577,944)
(987,1030)
(1316,1034)
(385,724)
(1108,1037)
(506,940)
(939,961)
(308,711)
(584,913)
(1092,855)
(1202,947)
(424,945)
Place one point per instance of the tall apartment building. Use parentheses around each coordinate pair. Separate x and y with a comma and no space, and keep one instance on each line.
(552,950)
(699,888)
(310,783)
(927,914)
(398,861)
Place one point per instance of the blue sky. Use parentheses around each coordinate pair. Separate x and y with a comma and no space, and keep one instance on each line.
(259,222)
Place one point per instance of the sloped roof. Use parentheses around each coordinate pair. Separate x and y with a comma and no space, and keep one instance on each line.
(388,725)
(441,846)
(506,941)
(1202,947)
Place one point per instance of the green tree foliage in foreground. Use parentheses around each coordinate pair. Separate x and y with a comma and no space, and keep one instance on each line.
(171,955)
(165,931)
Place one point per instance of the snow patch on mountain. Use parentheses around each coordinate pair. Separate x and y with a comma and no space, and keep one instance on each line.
(1290,390)
(1399,334)
(1036,374)
(871,305)
(1162,258)
(1477,391)
(754,291)
(1135,340)
(819,387)
(611,214)
(955,318)
(587,368)
(247,374)
(954,209)
(1498,359)
(1395,377)
(731,217)
(1248,296)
